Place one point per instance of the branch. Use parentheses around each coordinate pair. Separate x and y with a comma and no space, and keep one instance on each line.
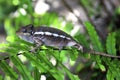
(84,51)
(103,54)
(99,53)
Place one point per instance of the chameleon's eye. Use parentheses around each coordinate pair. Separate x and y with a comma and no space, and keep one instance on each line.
(30,31)
(27,29)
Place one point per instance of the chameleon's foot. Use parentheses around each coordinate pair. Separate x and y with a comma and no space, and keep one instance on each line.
(33,50)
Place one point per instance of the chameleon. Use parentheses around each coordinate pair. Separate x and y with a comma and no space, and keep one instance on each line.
(53,37)
(47,36)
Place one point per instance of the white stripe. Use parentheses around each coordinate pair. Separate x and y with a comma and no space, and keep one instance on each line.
(56,35)
(62,36)
(68,38)
(48,33)
(42,33)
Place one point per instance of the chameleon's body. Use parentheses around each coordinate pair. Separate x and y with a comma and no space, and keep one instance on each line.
(48,36)
(53,37)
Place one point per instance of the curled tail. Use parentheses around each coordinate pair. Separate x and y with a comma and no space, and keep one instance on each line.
(78,46)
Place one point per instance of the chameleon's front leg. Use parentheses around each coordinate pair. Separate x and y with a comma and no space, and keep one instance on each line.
(38,43)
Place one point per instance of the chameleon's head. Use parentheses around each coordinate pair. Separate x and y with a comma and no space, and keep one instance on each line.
(26,33)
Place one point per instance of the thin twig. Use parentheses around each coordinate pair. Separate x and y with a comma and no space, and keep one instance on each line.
(105,7)
(10,56)
(103,54)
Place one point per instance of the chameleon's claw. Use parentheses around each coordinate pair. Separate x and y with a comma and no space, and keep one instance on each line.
(33,50)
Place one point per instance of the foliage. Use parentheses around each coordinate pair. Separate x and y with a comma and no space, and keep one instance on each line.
(97,46)
(31,66)
(113,67)
(39,62)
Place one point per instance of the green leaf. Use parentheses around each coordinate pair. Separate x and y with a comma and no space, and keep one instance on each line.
(36,74)
(85,2)
(110,44)
(113,70)
(71,53)
(94,37)
(71,76)
(43,67)
(82,39)
(8,70)
(97,46)
(35,61)
(9,28)
(41,56)
(110,75)
(21,68)
(1,78)
(118,10)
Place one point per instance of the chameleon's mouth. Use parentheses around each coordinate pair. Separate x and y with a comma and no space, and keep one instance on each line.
(26,36)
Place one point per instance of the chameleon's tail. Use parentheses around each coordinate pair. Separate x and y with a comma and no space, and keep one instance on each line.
(78,46)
